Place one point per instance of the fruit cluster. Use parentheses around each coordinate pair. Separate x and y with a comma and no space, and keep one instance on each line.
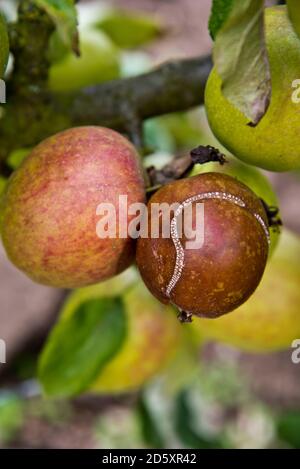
(49,219)
(274,141)
(49,210)
(115,334)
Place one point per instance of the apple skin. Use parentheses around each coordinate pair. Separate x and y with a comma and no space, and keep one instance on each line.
(48,211)
(253,178)
(273,144)
(220,275)
(270,319)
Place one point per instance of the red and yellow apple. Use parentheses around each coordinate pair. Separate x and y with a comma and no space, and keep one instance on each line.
(48,211)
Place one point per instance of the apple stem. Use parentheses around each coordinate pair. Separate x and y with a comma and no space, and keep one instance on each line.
(273,217)
(181,166)
(207,154)
(185,317)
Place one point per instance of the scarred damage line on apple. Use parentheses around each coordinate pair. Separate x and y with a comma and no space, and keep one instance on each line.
(179,263)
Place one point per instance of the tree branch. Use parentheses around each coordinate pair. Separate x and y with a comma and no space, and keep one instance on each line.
(119,104)
(174,86)
(29,38)
(33,113)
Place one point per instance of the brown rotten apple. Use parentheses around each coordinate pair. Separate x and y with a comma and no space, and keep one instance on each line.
(220,274)
(48,212)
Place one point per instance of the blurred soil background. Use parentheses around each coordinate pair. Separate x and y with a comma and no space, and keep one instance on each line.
(28,310)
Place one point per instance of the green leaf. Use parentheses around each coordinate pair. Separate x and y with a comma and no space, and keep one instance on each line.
(57,49)
(185,428)
(80,345)
(129,30)
(294,14)
(241,59)
(16,157)
(288,428)
(64,15)
(149,428)
(219,13)
(177,131)
(157,136)
(11,416)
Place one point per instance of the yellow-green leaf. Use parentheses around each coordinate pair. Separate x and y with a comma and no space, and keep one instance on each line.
(64,15)
(240,56)
(294,14)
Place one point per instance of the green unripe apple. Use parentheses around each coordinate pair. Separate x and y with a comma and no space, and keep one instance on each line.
(270,319)
(153,337)
(98,62)
(274,143)
(48,215)
(4,46)
(252,178)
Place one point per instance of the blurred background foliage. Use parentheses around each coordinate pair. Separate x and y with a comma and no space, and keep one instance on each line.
(158,385)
